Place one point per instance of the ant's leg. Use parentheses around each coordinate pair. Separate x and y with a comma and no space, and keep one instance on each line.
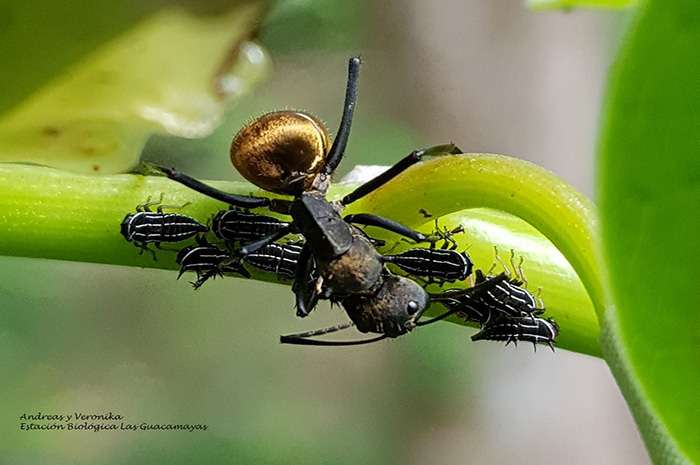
(437,318)
(413,158)
(238,254)
(231,199)
(336,151)
(306,296)
(303,338)
(475,291)
(315,342)
(318,332)
(368,219)
(259,244)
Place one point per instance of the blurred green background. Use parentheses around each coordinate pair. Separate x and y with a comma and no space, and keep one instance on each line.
(489,76)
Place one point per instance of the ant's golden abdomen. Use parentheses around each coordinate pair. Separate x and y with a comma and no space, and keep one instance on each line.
(281,152)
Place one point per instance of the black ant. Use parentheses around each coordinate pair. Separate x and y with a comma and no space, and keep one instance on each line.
(288,152)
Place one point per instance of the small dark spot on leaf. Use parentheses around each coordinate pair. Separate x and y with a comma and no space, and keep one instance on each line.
(425,213)
(52,131)
(96,168)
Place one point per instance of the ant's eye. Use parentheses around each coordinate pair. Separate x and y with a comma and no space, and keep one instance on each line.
(412,307)
(281,152)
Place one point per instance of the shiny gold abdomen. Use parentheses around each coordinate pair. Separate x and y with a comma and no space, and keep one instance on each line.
(281,152)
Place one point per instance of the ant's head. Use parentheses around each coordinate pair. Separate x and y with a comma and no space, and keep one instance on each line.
(393,310)
(282,151)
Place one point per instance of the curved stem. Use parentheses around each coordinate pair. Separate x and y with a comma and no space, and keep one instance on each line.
(453,183)
(45,213)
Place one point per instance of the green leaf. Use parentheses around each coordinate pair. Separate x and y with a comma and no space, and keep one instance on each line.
(44,39)
(650,200)
(174,72)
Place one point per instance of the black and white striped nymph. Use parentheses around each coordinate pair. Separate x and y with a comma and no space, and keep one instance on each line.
(281,259)
(242,227)
(528,329)
(146,226)
(205,259)
(437,265)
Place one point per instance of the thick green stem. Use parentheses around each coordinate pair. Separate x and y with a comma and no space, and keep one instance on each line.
(51,214)
(449,184)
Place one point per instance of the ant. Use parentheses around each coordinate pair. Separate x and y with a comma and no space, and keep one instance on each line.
(287,152)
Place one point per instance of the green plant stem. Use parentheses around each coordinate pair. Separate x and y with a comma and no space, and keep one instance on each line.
(448,184)
(51,214)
